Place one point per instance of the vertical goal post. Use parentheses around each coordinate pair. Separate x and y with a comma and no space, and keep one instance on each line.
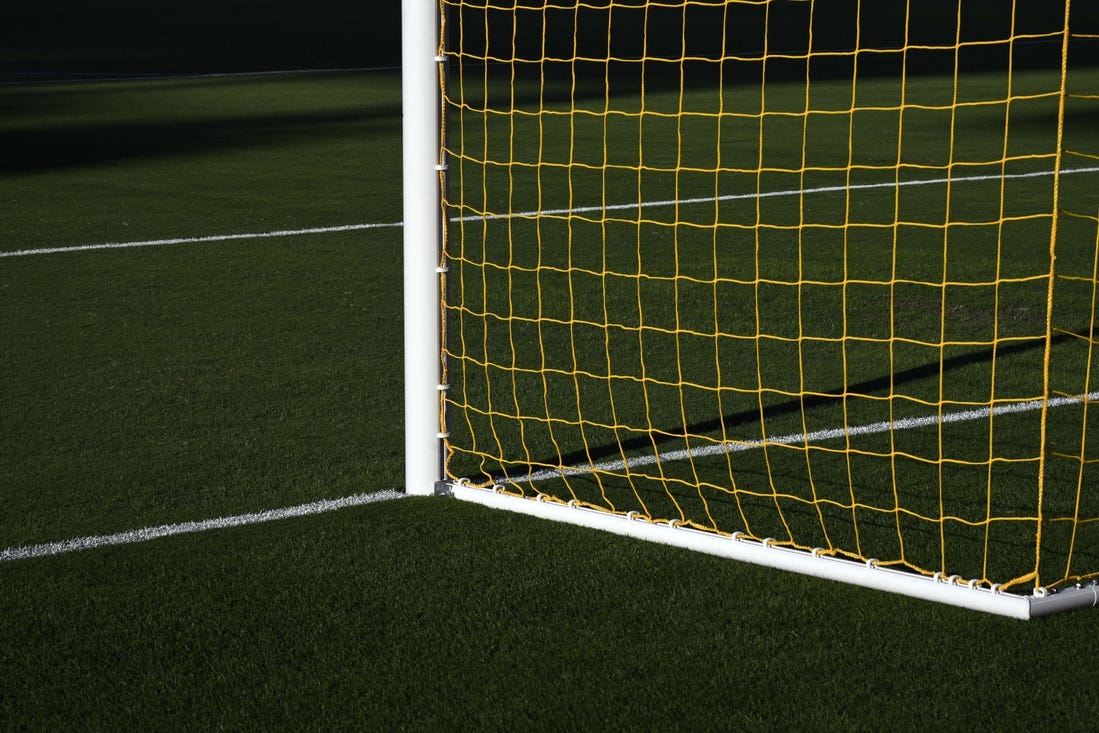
(758,278)
(423,169)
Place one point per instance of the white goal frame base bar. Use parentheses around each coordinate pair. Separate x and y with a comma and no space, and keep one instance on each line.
(940,589)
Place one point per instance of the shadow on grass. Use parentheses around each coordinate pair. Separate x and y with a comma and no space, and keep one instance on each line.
(125,37)
(30,150)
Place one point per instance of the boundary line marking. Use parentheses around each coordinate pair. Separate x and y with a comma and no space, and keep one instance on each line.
(196,240)
(169,530)
(327,505)
(545,212)
(787,192)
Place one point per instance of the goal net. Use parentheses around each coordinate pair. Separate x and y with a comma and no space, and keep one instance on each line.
(816,277)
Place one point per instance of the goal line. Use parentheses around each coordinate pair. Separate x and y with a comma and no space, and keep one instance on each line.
(130,537)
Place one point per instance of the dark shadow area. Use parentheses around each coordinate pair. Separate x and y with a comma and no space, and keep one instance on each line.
(670,48)
(735,421)
(36,150)
(1081,116)
(64,100)
(63,37)
(632,31)
(39,38)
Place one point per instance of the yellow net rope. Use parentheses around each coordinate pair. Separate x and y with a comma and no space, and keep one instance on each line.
(821,272)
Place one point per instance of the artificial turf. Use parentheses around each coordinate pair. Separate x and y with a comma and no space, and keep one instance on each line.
(169,383)
(427,614)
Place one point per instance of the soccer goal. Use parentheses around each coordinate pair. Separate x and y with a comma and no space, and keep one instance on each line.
(807,283)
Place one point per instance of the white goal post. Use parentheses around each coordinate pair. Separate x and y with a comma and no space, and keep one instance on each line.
(422,167)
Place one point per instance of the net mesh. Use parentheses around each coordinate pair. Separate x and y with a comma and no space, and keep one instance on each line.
(821,272)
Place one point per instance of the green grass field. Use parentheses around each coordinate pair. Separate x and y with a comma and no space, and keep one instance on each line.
(180,382)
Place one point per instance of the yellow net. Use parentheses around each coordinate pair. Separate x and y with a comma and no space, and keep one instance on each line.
(821,272)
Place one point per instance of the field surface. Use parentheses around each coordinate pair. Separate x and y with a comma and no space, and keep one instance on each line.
(199,319)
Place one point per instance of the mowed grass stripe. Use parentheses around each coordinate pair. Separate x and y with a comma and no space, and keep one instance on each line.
(548,212)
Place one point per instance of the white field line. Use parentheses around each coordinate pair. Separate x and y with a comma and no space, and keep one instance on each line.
(328,505)
(785,193)
(737,446)
(546,212)
(168,530)
(196,240)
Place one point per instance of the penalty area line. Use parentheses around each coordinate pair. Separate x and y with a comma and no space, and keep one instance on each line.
(804,439)
(488,216)
(169,530)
